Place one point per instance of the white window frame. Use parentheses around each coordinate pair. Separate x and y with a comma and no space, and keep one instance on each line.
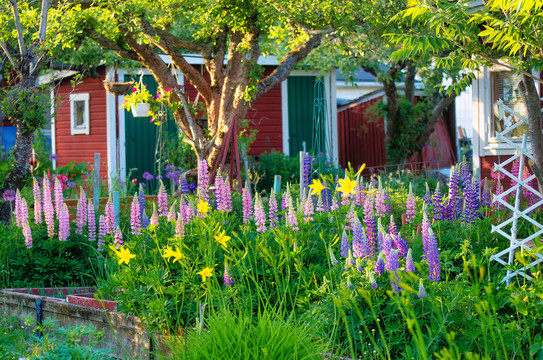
(483,106)
(85,128)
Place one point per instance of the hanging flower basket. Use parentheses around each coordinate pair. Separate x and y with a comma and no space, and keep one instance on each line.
(141,109)
(119,88)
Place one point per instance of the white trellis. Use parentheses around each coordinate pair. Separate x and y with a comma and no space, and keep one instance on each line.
(506,256)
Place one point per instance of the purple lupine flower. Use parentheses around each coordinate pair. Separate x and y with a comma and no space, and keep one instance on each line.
(307,171)
(184,186)
(400,244)
(471,204)
(372,281)
(361,248)
(203,180)
(247,203)
(9,195)
(102,232)
(425,232)
(154,216)
(292,220)
(409,263)
(27,233)
(345,246)
(63,223)
(392,265)
(17,210)
(465,175)
(422,290)
(453,207)
(260,215)
(110,216)
(81,213)
(48,211)
(144,221)
(226,194)
(118,237)
(228,280)
(379,265)
(438,204)
(218,191)
(141,201)
(135,216)
(371,226)
(380,207)
(91,219)
(162,200)
(433,257)
(392,228)
(59,198)
(37,201)
(427,198)
(386,246)
(410,206)
(179,226)
(485,198)
(147,176)
(171,213)
(308,209)
(351,214)
(272,210)
(327,197)
(360,195)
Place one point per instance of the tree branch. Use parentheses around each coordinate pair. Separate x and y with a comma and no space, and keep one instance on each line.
(111,45)
(286,65)
(434,117)
(43,21)
(8,55)
(202,49)
(20,38)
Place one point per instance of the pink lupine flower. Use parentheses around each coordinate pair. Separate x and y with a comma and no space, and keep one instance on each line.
(110,216)
(59,198)
(411,206)
(380,207)
(179,226)
(118,237)
(335,205)
(320,204)
(91,219)
(247,204)
(292,220)
(18,217)
(309,210)
(154,216)
(171,213)
(81,213)
(260,215)
(272,210)
(102,232)
(135,217)
(162,200)
(203,180)
(48,210)
(351,214)
(37,201)
(63,223)
(27,233)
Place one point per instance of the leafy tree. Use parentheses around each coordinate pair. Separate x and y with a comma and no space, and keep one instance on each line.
(501,32)
(366,45)
(230,35)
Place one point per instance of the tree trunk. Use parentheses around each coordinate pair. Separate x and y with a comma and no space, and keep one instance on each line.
(409,81)
(393,105)
(533,106)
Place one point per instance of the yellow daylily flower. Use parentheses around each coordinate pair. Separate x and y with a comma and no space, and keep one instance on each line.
(360,170)
(207,272)
(346,186)
(316,187)
(123,254)
(222,238)
(203,207)
(169,253)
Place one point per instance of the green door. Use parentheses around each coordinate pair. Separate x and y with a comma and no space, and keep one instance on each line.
(300,90)
(145,141)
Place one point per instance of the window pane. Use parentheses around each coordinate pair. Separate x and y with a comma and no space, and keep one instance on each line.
(505,87)
(79,113)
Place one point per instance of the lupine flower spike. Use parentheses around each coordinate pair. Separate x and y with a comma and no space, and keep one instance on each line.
(154,217)
(361,248)
(63,223)
(203,180)
(91,220)
(228,280)
(433,257)
(345,246)
(27,233)
(272,210)
(162,200)
(59,199)
(81,213)
(379,265)
(380,208)
(247,204)
(135,218)
(392,265)
(37,201)
(118,237)
(292,220)
(409,263)
(438,204)
(422,290)
(48,210)
(102,232)
(411,205)
(110,216)
(309,210)
(260,215)
(179,226)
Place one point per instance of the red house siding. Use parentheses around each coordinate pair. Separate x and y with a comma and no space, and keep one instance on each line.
(81,147)
(361,136)
(265,116)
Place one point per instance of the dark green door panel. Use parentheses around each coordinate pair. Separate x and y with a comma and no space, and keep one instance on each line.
(300,112)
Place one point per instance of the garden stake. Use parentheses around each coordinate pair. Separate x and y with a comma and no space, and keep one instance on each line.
(96,186)
(277,184)
(39,316)
(116,207)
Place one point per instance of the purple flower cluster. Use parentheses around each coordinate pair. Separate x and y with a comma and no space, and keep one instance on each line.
(118,237)
(485,197)
(102,232)
(63,223)
(411,206)
(247,203)
(454,205)
(228,279)
(345,246)
(371,226)
(162,200)
(147,176)
(223,194)
(203,180)
(409,263)
(37,201)
(135,216)
(110,216)
(48,211)
(91,219)
(81,213)
(392,265)
(433,257)
(292,220)
(427,197)
(309,209)
(361,248)
(260,215)
(272,210)
(437,199)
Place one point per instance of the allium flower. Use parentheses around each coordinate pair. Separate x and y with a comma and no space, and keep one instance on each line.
(438,204)
(63,223)
(371,226)
(433,257)
(48,211)
(27,233)
(409,263)
(81,213)
(118,237)
(9,195)
(162,200)
(247,204)
(411,206)
(422,290)
(203,180)
(228,280)
(345,246)
(260,215)
(53,157)
(135,216)
(147,176)
(37,201)
(110,216)
(91,219)
(272,210)
(379,265)
(59,198)
(102,232)
(308,209)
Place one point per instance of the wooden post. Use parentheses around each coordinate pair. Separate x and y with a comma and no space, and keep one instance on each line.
(277,184)
(116,205)
(96,186)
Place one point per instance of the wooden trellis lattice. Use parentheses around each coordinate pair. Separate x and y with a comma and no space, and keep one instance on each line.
(507,256)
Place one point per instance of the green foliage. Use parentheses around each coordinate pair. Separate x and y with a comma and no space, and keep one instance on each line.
(275,163)
(29,108)
(244,336)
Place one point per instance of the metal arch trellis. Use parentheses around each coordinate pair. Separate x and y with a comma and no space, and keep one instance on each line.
(506,256)
(321,137)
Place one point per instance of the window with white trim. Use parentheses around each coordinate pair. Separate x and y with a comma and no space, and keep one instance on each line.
(505,88)
(79,114)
